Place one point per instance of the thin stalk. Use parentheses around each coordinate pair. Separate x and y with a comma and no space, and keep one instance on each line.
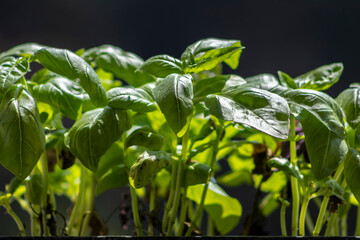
(304,207)
(357,229)
(183,213)
(171,196)
(294,181)
(174,210)
(44,193)
(336,229)
(203,196)
(135,211)
(344,225)
(330,225)
(34,217)
(152,206)
(309,222)
(321,215)
(17,220)
(89,195)
(210,227)
(79,202)
(283,220)
(23,82)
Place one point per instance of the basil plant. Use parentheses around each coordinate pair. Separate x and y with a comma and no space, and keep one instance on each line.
(164,130)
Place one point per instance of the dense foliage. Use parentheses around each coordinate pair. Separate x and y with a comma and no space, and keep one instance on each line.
(163,125)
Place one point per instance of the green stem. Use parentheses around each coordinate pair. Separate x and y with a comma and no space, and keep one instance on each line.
(344,225)
(174,210)
(23,82)
(304,208)
(171,196)
(152,206)
(183,213)
(44,193)
(321,215)
(330,225)
(78,202)
(283,220)
(89,196)
(294,181)
(135,210)
(203,196)
(357,230)
(309,222)
(16,219)
(210,227)
(34,221)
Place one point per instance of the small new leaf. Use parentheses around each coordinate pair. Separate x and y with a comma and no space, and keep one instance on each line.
(162,65)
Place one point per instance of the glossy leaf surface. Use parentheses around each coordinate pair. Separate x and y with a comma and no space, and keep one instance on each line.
(349,101)
(120,63)
(260,109)
(284,165)
(11,70)
(326,149)
(224,210)
(94,133)
(206,54)
(162,65)
(174,96)
(352,172)
(61,93)
(216,84)
(135,99)
(70,65)
(24,50)
(22,138)
(320,78)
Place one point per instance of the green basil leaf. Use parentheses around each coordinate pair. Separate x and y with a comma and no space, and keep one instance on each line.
(352,172)
(112,157)
(349,102)
(34,189)
(120,63)
(22,138)
(115,177)
(236,178)
(196,173)
(266,82)
(43,76)
(146,167)
(70,65)
(326,148)
(320,105)
(216,84)
(206,54)
(334,189)
(174,96)
(145,137)
(135,99)
(61,93)
(260,109)
(11,70)
(284,165)
(320,78)
(224,210)
(24,50)
(94,133)
(162,65)
(286,80)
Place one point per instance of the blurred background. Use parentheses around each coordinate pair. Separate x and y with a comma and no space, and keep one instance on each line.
(291,36)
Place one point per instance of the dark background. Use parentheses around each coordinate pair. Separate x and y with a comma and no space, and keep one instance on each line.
(292,36)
